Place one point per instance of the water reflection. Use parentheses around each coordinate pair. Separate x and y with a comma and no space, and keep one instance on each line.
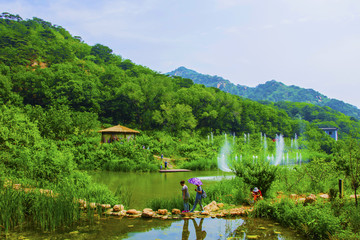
(127,228)
(200,234)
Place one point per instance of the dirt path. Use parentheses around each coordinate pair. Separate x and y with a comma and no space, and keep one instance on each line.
(170,161)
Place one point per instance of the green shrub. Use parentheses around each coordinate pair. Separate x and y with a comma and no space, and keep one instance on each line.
(200,164)
(315,221)
(259,174)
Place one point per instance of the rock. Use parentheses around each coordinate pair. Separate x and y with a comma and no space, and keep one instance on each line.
(118,214)
(118,208)
(211,207)
(310,199)
(293,196)
(81,202)
(46,192)
(175,211)
(204,213)
(162,211)
(353,196)
(325,196)
(27,190)
(105,206)
(92,205)
(123,212)
(220,205)
(238,212)
(219,215)
(147,213)
(132,212)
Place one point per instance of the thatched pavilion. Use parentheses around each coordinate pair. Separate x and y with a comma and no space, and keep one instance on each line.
(117,133)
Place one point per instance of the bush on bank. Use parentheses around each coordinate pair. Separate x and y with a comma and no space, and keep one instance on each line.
(334,220)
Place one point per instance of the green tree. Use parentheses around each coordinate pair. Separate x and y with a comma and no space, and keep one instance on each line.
(348,158)
(176,118)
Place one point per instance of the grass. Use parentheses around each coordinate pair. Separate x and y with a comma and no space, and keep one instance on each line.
(200,164)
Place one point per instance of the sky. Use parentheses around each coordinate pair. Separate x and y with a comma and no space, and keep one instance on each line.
(308,43)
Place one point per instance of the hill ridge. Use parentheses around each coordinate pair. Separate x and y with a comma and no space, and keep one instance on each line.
(271,90)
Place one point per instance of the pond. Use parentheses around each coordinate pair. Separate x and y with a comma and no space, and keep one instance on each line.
(145,186)
(205,228)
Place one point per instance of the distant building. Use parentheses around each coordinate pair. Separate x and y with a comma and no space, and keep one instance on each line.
(332,132)
(117,133)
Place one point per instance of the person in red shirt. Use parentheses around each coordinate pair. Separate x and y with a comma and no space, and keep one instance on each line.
(256,194)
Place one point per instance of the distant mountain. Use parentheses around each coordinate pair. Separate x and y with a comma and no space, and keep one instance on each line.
(270,91)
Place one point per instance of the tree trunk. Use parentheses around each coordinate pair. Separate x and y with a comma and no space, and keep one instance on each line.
(356,203)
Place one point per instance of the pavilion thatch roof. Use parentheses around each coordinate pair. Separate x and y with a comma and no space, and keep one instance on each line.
(118,129)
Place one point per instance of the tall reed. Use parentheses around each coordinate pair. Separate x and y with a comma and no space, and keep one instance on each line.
(38,209)
(11,209)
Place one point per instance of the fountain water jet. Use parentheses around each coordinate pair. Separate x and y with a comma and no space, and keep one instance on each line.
(224,153)
(280,144)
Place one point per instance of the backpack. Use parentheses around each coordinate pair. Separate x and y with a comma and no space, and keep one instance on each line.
(203,194)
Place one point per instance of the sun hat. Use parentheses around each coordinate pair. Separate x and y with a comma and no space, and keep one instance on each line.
(255,189)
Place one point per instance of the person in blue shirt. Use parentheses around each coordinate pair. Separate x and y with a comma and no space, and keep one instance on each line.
(198,198)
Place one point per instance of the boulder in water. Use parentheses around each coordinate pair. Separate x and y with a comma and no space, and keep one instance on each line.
(162,211)
(132,212)
(147,213)
(211,207)
(175,211)
(118,208)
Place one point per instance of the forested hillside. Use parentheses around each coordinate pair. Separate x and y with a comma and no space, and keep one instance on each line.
(57,91)
(270,91)
(46,69)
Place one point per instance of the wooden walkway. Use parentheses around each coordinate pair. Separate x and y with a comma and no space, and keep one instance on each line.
(174,170)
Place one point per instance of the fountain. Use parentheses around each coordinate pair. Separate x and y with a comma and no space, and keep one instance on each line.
(282,155)
(224,153)
(280,144)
